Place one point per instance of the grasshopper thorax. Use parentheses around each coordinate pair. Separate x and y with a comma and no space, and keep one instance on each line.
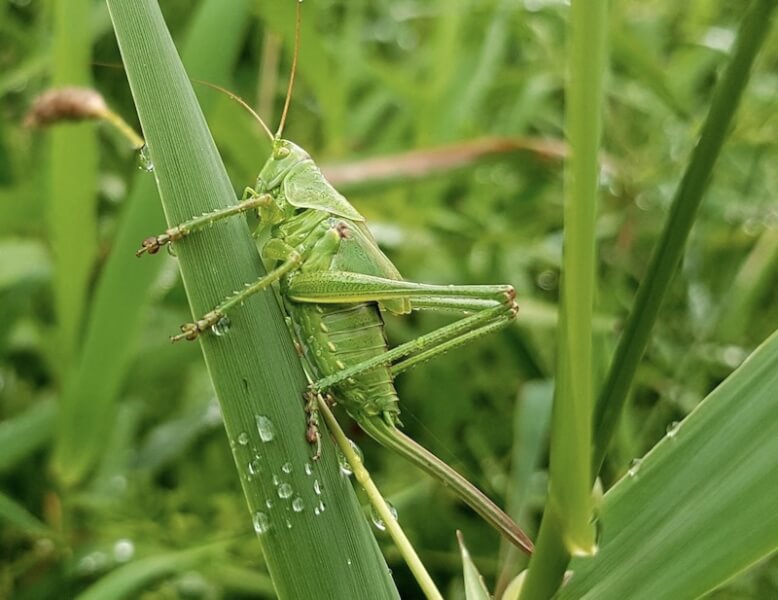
(284,157)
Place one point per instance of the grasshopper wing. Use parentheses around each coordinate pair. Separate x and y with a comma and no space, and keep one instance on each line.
(359,253)
(306,187)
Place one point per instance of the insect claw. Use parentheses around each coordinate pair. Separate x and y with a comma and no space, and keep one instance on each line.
(189,332)
(150,245)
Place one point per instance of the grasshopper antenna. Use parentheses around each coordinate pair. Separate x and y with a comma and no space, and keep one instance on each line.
(240,101)
(294,69)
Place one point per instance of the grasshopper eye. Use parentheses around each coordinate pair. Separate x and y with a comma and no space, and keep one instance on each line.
(281,152)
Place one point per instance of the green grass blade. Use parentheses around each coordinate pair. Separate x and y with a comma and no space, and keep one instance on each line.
(530,426)
(566,527)
(120,301)
(23,435)
(475,588)
(755,278)
(18,516)
(701,505)
(669,249)
(72,197)
(254,367)
(127,581)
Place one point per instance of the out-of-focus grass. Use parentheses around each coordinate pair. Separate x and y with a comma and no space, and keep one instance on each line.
(378,78)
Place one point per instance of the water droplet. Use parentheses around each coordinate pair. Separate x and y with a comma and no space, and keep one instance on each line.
(634,467)
(266,429)
(254,466)
(321,506)
(343,464)
(123,550)
(316,511)
(92,563)
(672,429)
(145,159)
(261,522)
(357,450)
(547,280)
(269,502)
(348,562)
(221,327)
(298,505)
(308,469)
(288,524)
(276,480)
(317,487)
(285,490)
(243,438)
(287,467)
(376,518)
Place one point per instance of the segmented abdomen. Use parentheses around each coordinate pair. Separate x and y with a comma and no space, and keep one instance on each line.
(337,336)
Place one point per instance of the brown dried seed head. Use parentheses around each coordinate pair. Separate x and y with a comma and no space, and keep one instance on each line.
(65,104)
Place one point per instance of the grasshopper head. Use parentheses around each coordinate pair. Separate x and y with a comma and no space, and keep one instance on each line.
(285,155)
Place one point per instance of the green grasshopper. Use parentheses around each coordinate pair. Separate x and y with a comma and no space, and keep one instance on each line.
(334,281)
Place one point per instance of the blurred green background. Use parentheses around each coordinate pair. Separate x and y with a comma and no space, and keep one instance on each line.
(84,324)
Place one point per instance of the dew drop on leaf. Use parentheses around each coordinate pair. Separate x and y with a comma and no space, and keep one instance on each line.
(266,429)
(261,522)
(145,159)
(285,490)
(221,327)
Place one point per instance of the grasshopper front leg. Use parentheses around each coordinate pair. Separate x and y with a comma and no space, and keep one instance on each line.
(250,201)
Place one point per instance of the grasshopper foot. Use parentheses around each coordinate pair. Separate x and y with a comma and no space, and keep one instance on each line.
(191,331)
(151,245)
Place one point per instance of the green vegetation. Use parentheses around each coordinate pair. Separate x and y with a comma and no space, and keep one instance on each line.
(117,478)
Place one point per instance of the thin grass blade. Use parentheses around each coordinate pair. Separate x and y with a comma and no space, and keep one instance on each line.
(700,507)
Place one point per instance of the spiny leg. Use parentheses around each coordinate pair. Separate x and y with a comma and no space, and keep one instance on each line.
(251,200)
(494,307)
(315,248)
(428,345)
(190,331)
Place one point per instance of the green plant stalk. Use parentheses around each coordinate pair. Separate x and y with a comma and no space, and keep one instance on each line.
(88,404)
(378,502)
(566,528)
(328,552)
(71,213)
(667,255)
